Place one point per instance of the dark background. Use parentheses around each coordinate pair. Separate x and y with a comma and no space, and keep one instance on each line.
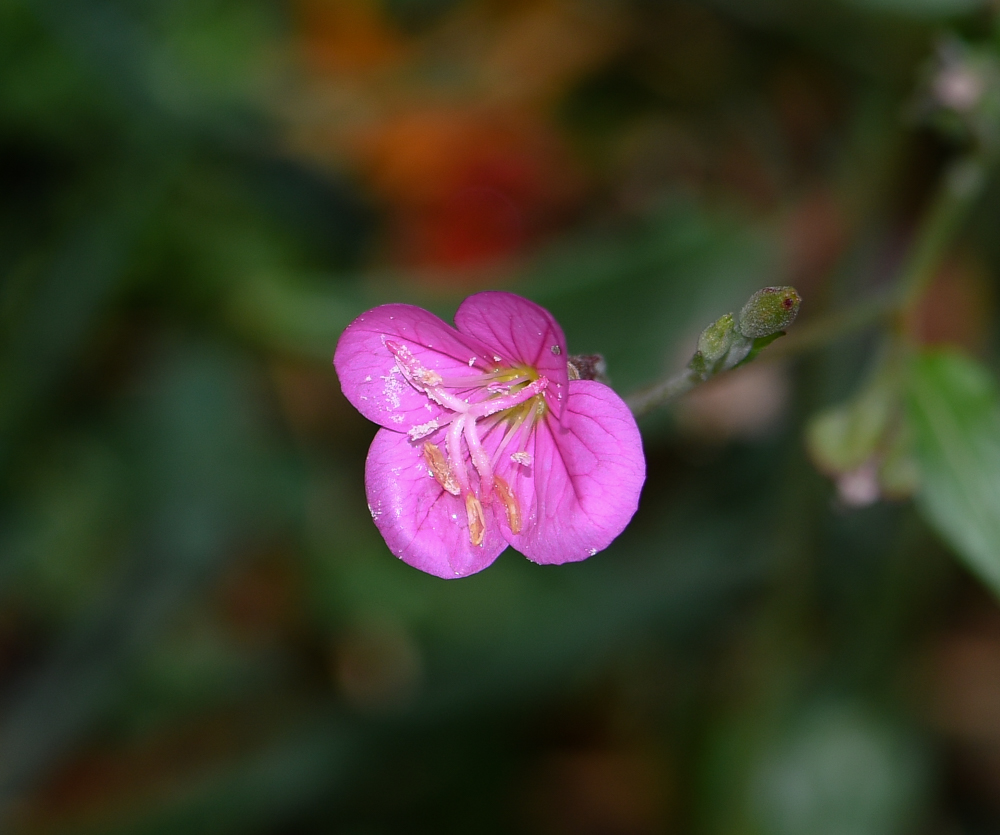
(201,631)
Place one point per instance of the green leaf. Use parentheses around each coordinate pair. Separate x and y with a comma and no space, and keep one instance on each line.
(955,413)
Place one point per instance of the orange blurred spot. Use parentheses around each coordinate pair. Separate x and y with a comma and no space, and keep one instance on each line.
(345,36)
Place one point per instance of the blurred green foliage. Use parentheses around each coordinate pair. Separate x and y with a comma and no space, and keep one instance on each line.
(201,630)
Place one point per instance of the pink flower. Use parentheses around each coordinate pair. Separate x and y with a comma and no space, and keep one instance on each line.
(486,442)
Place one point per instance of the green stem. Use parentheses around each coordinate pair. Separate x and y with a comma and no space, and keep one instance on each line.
(646,400)
(961,184)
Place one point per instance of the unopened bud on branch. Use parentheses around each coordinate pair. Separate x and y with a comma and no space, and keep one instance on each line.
(769,311)
(716,340)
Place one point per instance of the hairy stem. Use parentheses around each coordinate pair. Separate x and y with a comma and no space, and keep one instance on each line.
(960,186)
(646,400)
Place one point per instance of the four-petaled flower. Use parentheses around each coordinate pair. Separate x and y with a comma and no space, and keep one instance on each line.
(486,441)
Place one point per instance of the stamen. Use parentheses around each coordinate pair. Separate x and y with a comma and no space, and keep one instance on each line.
(455,457)
(443,398)
(515,427)
(477,522)
(439,468)
(504,386)
(510,504)
(426,377)
(411,367)
(499,404)
(480,460)
(425,429)
(477,380)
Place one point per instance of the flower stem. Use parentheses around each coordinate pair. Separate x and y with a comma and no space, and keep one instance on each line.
(646,400)
(960,186)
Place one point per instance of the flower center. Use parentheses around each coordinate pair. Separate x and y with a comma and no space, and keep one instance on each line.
(514,402)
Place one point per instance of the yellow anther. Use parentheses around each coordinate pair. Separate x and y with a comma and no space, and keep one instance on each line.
(426,377)
(439,468)
(510,504)
(477,522)
(411,367)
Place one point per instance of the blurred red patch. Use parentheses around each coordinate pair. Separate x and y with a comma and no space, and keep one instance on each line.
(466,189)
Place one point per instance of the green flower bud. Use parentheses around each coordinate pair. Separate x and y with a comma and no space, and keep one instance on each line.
(720,347)
(728,342)
(769,311)
(716,340)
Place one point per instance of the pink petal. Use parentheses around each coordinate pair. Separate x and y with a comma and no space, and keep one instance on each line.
(523,333)
(583,484)
(422,524)
(367,369)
